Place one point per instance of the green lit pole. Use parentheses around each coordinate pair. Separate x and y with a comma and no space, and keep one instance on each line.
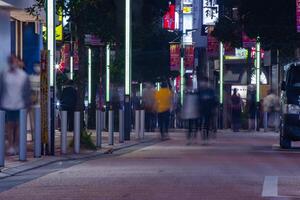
(107,73)
(257,67)
(89,75)
(127,69)
(221,92)
(51,47)
(182,75)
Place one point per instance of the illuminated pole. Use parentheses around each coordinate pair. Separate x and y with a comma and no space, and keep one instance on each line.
(128,49)
(182,75)
(71,68)
(89,76)
(221,93)
(51,47)
(107,73)
(257,66)
(127,69)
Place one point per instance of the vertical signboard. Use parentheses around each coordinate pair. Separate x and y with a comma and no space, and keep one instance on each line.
(210,12)
(169,18)
(212,46)
(44,96)
(298,15)
(76,56)
(189,57)
(175,56)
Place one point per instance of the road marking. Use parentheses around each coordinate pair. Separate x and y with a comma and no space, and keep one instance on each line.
(270,187)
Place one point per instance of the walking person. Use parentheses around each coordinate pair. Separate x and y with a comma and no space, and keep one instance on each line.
(68,102)
(190,112)
(207,102)
(271,107)
(251,107)
(148,99)
(163,105)
(14,96)
(236,110)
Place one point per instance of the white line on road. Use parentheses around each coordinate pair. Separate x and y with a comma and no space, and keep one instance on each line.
(270,187)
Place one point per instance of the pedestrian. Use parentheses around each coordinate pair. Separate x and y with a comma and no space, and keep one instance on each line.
(191,113)
(148,100)
(163,105)
(14,96)
(236,110)
(68,102)
(207,102)
(251,107)
(271,107)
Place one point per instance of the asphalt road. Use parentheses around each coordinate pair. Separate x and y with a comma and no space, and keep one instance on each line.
(234,166)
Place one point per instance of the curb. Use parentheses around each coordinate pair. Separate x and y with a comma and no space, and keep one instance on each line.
(42,162)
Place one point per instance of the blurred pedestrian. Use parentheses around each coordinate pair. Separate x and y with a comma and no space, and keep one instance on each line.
(14,95)
(163,105)
(68,102)
(271,107)
(191,113)
(236,110)
(207,102)
(148,99)
(251,107)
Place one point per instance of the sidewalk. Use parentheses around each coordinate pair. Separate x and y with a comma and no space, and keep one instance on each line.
(13,166)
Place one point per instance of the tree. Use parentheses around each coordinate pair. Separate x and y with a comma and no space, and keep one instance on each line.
(273,21)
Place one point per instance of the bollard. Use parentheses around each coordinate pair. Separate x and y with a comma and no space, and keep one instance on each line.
(137,124)
(121,126)
(111,127)
(2,138)
(99,128)
(23,135)
(77,132)
(64,125)
(37,132)
(142,128)
(265,121)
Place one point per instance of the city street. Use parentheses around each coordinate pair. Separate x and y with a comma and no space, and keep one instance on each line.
(234,166)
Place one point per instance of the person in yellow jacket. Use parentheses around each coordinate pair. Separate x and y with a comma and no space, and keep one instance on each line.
(163,99)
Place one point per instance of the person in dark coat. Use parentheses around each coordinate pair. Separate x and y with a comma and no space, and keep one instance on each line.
(236,110)
(68,102)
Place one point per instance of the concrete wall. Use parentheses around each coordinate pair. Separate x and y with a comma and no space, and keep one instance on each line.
(5,38)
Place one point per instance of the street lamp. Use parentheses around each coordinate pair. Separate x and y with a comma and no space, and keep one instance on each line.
(89,75)
(107,73)
(221,92)
(51,47)
(257,66)
(127,69)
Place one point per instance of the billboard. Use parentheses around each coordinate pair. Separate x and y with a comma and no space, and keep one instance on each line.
(298,15)
(175,56)
(210,12)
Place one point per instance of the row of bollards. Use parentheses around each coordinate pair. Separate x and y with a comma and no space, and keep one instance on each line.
(100,127)
(22,134)
(64,132)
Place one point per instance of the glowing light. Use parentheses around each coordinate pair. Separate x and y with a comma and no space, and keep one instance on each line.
(51,38)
